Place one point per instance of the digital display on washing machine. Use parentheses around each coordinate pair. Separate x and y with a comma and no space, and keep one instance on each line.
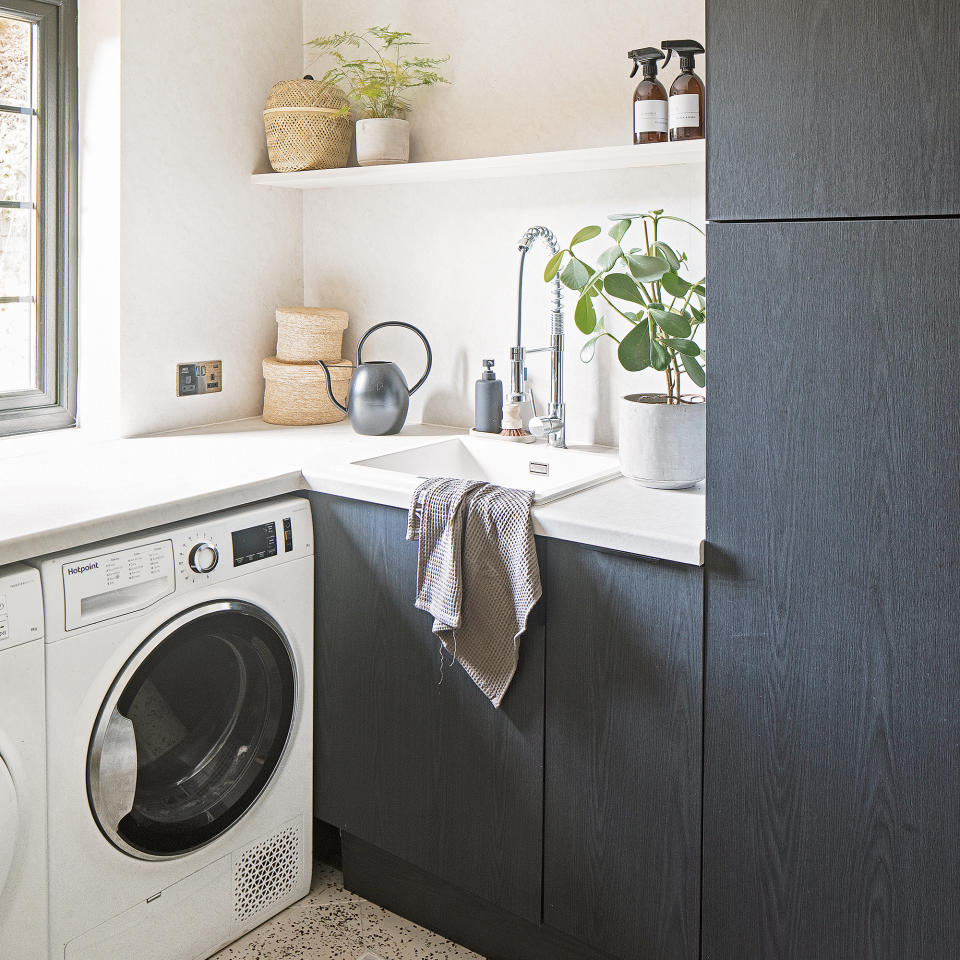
(254,543)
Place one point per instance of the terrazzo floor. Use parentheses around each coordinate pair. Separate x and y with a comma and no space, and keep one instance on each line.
(331,923)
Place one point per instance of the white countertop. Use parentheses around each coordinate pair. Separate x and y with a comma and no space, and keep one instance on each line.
(62,495)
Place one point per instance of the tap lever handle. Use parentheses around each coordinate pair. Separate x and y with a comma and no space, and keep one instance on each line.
(545,426)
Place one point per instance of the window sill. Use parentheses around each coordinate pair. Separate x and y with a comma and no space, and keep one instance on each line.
(46,441)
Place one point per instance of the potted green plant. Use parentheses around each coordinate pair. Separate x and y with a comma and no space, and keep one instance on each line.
(662,435)
(377,80)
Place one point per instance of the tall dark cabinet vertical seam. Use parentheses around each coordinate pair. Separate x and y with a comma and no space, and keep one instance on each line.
(831,712)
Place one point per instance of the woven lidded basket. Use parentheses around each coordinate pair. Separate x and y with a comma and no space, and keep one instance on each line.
(303,131)
(296,393)
(310,333)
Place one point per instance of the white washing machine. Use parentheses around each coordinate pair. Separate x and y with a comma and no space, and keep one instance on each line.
(23,800)
(179,733)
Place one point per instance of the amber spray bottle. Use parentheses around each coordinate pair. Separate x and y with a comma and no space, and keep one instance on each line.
(649,99)
(686,111)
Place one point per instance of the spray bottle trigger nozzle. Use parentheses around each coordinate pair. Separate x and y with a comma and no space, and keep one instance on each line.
(648,56)
(686,51)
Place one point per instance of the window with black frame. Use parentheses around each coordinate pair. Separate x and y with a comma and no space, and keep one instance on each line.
(38,145)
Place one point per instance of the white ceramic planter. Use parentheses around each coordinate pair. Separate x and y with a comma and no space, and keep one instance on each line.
(382,140)
(662,445)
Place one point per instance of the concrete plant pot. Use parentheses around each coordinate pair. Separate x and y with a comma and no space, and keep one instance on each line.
(662,445)
(382,140)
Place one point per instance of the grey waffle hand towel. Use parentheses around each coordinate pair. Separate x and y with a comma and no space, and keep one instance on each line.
(477,573)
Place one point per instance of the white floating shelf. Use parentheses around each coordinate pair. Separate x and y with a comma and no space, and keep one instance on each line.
(624,157)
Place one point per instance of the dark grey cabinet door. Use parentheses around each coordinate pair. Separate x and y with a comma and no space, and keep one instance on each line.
(410,756)
(832,108)
(832,707)
(621,867)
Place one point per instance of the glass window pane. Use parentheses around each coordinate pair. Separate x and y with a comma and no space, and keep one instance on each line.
(37,219)
(16,156)
(18,347)
(16,40)
(16,252)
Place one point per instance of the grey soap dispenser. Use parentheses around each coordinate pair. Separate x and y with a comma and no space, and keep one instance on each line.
(488,401)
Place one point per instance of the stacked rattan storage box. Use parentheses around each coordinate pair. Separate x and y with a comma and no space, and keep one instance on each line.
(296,385)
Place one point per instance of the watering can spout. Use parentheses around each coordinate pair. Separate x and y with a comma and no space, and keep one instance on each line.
(333,399)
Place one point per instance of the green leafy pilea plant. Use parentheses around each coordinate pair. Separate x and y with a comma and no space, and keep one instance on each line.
(637,283)
(376,84)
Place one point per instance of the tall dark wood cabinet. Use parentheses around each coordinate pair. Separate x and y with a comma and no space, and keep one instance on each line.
(832,108)
(621,851)
(410,757)
(832,783)
(831,822)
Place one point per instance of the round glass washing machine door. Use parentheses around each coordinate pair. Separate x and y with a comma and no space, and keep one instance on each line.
(192,730)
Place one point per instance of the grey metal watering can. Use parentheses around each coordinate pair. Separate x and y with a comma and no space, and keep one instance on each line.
(379,397)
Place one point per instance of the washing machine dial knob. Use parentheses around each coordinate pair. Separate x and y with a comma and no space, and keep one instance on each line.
(203,557)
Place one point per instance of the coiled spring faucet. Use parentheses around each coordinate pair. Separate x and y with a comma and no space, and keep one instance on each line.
(553,425)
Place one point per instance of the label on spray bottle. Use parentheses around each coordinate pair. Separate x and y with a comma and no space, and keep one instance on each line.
(684,110)
(650,116)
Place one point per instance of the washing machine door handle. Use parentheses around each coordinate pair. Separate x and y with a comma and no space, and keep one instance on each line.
(113,770)
(9,822)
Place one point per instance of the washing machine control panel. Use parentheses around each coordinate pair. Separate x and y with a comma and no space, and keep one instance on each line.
(121,577)
(255,537)
(21,606)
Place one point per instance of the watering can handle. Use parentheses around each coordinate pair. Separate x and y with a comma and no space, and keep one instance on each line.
(409,326)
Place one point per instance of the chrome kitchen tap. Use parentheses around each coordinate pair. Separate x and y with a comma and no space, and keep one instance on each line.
(553,425)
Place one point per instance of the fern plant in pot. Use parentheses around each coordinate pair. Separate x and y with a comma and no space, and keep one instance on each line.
(660,317)
(378,68)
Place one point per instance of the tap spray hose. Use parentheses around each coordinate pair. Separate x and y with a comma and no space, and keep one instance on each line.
(556,312)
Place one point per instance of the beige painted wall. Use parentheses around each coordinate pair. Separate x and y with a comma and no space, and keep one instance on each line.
(527,77)
(187,260)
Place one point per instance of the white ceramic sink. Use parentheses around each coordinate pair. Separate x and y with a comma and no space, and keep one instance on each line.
(550,473)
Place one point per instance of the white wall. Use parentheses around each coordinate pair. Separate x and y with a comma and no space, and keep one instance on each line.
(185,260)
(527,77)
(100,217)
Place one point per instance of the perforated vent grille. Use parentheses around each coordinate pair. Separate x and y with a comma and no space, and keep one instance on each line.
(267,871)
